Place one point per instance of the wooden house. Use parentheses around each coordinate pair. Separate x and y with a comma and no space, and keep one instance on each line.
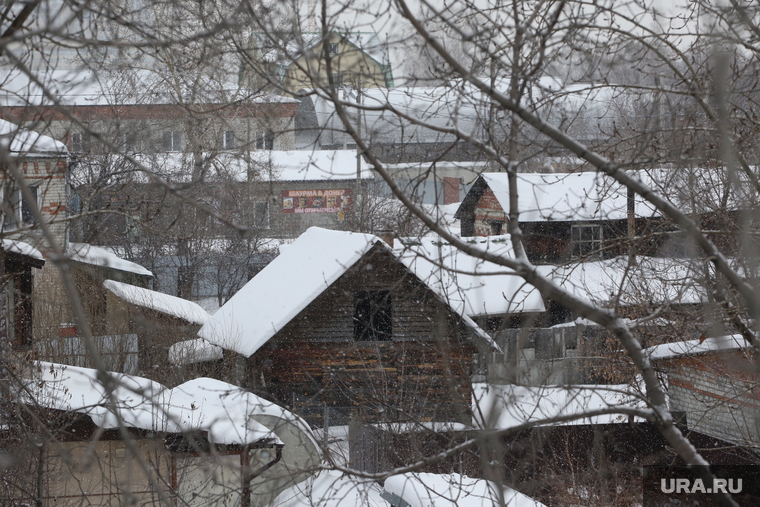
(338,322)
(562,216)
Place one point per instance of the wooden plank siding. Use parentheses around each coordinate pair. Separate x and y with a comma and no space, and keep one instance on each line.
(422,373)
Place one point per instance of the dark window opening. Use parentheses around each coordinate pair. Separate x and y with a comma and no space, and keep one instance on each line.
(372,316)
(334,48)
(497,227)
(79,142)
(19,305)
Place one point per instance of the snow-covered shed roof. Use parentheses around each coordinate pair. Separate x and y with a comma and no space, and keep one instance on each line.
(694,347)
(19,140)
(99,256)
(203,404)
(470,285)
(507,406)
(452,490)
(650,279)
(158,301)
(313,262)
(21,248)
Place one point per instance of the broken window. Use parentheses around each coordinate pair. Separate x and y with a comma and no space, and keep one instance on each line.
(372,315)
(586,240)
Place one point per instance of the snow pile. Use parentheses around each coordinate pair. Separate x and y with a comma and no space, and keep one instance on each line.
(164,303)
(470,285)
(98,256)
(330,488)
(20,140)
(507,406)
(453,490)
(194,351)
(21,248)
(203,404)
(692,347)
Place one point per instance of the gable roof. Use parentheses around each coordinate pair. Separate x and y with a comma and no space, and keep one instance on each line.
(470,285)
(311,264)
(559,197)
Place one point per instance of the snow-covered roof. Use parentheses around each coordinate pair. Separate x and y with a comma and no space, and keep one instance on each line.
(469,284)
(81,87)
(21,248)
(330,488)
(651,279)
(265,165)
(194,351)
(507,406)
(99,256)
(453,490)
(267,302)
(203,404)
(158,301)
(19,140)
(569,197)
(693,347)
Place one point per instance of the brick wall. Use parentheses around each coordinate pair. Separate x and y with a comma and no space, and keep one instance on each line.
(487,210)
(718,394)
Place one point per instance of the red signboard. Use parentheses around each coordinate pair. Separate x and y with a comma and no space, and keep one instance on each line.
(316,201)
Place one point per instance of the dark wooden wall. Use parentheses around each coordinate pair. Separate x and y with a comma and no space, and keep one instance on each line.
(422,373)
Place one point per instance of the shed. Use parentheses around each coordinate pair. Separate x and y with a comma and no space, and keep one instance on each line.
(337,321)
(712,386)
(205,440)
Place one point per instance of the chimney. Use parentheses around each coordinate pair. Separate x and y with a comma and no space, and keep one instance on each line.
(386,235)
(451,189)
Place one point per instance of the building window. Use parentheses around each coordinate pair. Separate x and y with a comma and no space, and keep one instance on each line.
(19,305)
(497,227)
(172,140)
(17,210)
(79,142)
(372,315)
(261,215)
(228,140)
(586,240)
(333,48)
(265,141)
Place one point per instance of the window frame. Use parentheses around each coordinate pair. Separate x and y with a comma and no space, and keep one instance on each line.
(172,141)
(228,140)
(18,212)
(581,245)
